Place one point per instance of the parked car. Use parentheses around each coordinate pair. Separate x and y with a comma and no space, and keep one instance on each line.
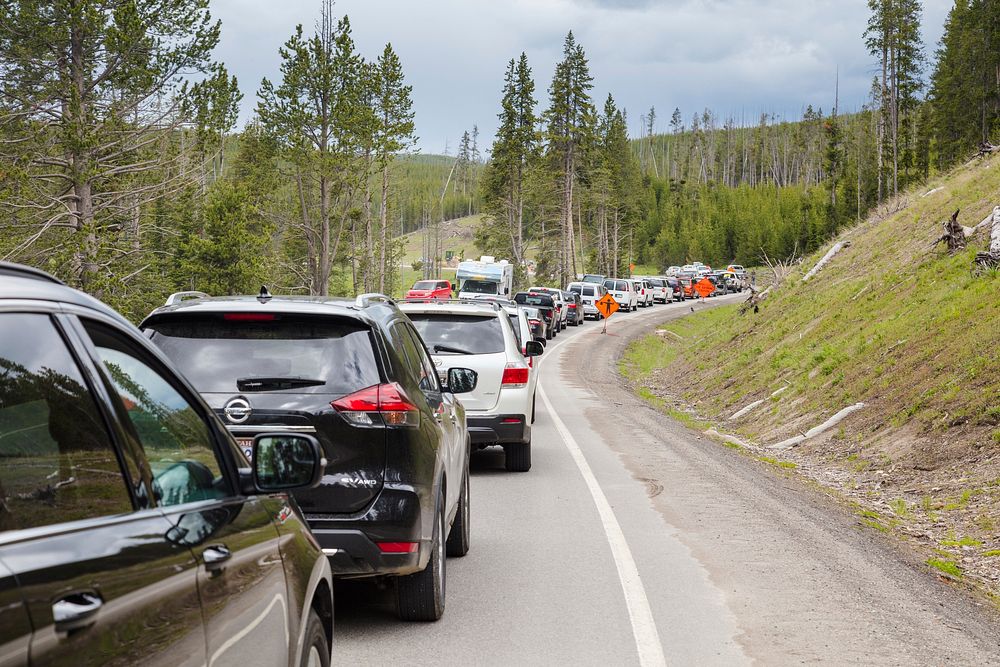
(545,305)
(589,293)
(676,289)
(430,289)
(561,305)
(500,410)
(660,288)
(574,305)
(537,324)
(354,373)
(133,530)
(623,291)
(642,294)
(687,284)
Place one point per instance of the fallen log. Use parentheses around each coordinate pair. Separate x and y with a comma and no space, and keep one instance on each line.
(813,432)
(986,261)
(986,148)
(837,247)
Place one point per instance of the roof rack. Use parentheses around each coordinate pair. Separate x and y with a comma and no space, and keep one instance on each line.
(497,304)
(22,271)
(178,297)
(365,300)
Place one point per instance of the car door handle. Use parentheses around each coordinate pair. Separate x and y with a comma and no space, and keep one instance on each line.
(215,556)
(76,611)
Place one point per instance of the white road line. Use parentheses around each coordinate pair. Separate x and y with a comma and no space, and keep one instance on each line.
(647,639)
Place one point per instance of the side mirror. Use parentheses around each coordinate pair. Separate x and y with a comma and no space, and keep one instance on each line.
(286,462)
(462,380)
(533,348)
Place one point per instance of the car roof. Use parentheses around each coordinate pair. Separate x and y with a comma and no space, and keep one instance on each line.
(375,311)
(26,283)
(449,308)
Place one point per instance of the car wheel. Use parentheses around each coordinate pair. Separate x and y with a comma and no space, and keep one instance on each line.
(420,596)
(315,650)
(458,538)
(517,456)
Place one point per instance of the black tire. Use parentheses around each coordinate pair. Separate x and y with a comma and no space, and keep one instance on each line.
(517,456)
(420,596)
(458,538)
(315,647)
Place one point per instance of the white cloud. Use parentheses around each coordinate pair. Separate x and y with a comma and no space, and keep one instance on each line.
(733,56)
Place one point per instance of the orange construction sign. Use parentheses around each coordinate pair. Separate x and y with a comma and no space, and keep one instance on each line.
(704,287)
(607,305)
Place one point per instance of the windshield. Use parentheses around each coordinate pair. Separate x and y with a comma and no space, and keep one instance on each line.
(474,334)
(425,285)
(315,356)
(534,300)
(479,287)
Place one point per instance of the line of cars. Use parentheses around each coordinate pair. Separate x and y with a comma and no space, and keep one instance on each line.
(186,492)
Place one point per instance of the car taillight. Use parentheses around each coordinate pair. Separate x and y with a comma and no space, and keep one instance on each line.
(534,323)
(572,305)
(388,401)
(515,375)
(398,547)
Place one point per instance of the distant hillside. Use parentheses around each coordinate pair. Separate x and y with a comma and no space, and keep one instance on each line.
(891,323)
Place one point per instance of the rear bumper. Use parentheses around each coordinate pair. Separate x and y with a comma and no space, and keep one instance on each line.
(497,429)
(351,542)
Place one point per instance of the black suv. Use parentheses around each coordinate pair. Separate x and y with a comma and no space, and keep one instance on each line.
(132,528)
(354,373)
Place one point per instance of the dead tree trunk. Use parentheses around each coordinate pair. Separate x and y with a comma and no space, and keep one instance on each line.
(990,259)
(954,235)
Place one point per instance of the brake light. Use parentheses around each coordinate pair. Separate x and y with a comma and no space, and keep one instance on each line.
(515,375)
(248,317)
(386,400)
(572,305)
(534,323)
(398,547)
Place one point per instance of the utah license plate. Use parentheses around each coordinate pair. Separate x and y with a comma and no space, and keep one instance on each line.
(246,444)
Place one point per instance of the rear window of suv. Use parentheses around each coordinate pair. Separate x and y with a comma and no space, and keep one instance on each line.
(299,355)
(472,334)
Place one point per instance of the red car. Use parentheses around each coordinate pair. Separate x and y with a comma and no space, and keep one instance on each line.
(430,289)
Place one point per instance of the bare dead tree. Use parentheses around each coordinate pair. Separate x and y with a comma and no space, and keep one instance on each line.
(954,235)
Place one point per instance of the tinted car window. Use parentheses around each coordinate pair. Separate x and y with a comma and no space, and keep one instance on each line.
(428,375)
(426,284)
(214,354)
(57,462)
(588,291)
(474,334)
(177,443)
(534,300)
(515,323)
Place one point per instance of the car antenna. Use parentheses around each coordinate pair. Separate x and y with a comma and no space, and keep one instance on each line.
(264,295)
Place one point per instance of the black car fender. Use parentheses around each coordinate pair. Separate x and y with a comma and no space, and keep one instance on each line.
(321,574)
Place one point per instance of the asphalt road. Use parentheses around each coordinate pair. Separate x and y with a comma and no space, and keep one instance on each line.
(634,540)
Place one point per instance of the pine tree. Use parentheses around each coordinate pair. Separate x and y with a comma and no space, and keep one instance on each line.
(570,125)
(95,94)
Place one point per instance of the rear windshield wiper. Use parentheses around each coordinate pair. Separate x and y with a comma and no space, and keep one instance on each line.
(275,383)
(448,348)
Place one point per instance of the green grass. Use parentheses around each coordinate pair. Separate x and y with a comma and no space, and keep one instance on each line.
(885,335)
(992,553)
(946,566)
(788,465)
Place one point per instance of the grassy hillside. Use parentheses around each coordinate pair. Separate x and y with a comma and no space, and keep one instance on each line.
(894,324)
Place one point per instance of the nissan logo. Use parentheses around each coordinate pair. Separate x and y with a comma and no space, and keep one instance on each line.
(237,410)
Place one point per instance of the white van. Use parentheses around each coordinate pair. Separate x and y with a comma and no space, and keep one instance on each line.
(623,292)
(589,294)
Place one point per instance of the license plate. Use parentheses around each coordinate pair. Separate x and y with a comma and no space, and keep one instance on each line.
(246,444)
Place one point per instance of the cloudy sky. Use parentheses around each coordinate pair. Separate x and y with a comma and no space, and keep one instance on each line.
(739,57)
